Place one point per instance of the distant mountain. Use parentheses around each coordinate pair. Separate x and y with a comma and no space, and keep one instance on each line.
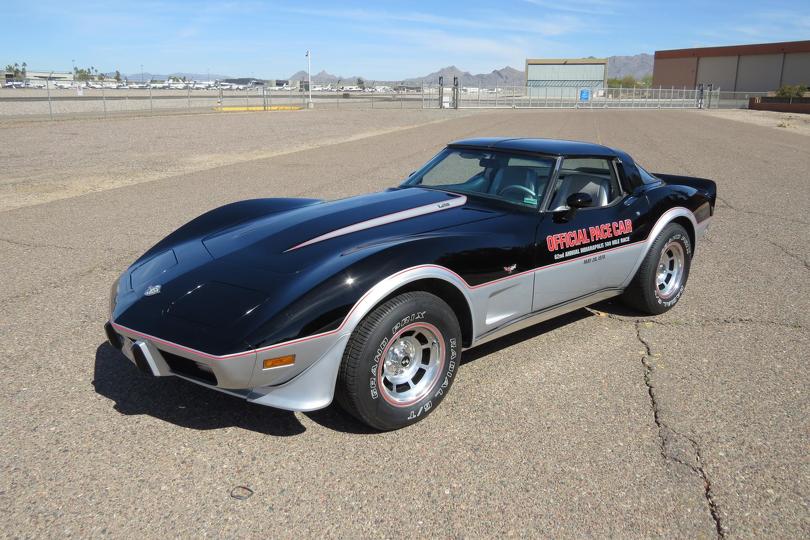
(507,76)
(618,66)
(324,78)
(639,65)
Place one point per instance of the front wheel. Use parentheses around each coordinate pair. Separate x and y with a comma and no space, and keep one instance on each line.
(400,361)
(661,278)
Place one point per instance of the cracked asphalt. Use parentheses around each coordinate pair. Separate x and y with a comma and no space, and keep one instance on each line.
(599,423)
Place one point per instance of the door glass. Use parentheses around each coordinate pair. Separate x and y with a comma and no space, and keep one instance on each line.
(594,176)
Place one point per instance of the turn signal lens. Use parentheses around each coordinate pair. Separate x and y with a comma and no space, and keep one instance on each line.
(280,361)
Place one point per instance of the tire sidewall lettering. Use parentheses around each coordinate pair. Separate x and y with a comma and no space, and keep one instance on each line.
(451,353)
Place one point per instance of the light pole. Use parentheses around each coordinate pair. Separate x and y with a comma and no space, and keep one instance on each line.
(309,79)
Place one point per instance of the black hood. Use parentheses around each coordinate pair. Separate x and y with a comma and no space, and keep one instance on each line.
(226,276)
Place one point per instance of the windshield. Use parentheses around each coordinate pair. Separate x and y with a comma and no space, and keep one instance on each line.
(512,178)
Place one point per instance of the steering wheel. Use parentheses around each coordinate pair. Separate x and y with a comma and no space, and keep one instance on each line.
(518,187)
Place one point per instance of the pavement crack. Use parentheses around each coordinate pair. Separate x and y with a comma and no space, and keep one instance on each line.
(36,246)
(676,447)
(716,321)
(790,254)
(727,206)
(112,265)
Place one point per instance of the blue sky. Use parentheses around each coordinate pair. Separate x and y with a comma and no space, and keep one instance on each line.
(378,40)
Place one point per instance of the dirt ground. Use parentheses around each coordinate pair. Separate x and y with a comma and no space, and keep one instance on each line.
(694,424)
(792,122)
(46,161)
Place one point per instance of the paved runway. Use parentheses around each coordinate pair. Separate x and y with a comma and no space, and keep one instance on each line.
(692,424)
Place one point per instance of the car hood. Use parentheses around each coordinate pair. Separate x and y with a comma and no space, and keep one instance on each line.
(294,240)
(236,276)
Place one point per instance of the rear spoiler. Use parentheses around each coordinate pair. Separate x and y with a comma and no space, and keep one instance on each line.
(709,187)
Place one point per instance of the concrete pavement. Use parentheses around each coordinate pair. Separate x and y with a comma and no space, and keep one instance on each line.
(692,424)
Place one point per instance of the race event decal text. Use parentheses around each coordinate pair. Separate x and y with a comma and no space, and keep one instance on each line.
(583,240)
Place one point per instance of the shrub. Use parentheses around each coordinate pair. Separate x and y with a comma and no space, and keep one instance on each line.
(791,91)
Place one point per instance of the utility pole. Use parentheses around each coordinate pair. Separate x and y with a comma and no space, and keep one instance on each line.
(309,80)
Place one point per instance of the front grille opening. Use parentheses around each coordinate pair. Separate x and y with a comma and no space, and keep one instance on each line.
(189,368)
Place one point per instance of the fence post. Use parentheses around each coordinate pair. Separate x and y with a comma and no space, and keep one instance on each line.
(48,88)
(103,100)
(151,107)
(188,96)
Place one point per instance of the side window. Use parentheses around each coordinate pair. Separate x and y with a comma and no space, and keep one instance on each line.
(594,176)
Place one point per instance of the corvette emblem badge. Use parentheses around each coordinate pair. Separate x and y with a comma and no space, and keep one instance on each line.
(152,290)
(509,269)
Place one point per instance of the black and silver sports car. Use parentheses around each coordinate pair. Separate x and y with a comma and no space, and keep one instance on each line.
(372,299)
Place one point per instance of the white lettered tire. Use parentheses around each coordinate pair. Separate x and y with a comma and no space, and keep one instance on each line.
(400,361)
(661,278)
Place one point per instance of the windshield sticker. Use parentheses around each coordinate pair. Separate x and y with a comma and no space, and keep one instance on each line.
(589,239)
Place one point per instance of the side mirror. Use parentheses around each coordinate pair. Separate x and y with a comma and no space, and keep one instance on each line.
(579,200)
(574,202)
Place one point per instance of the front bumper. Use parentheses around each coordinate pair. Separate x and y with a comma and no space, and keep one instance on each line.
(306,385)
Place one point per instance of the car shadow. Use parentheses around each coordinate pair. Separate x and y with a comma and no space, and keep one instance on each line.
(614,306)
(188,405)
(522,335)
(335,418)
(180,402)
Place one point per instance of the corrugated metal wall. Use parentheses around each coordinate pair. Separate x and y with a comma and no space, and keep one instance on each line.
(741,73)
(564,80)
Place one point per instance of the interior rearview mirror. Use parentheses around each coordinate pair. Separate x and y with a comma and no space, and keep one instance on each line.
(488,163)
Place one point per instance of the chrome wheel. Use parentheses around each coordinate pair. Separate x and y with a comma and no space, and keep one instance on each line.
(669,272)
(411,364)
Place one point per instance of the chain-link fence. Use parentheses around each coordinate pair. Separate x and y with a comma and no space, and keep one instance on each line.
(52,103)
(548,97)
(106,102)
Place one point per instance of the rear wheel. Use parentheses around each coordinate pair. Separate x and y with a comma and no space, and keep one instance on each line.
(400,361)
(661,278)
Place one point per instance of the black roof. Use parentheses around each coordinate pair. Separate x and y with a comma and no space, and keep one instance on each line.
(553,147)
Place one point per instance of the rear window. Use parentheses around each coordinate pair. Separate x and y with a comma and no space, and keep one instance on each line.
(646,177)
